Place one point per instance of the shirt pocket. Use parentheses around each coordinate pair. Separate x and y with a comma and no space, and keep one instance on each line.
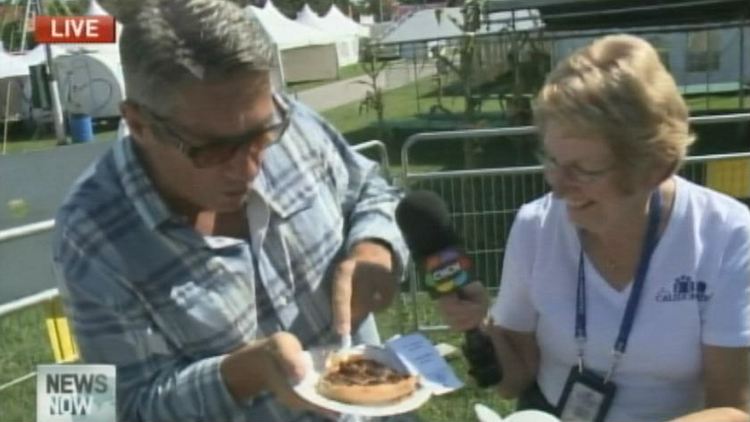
(211,313)
(313,233)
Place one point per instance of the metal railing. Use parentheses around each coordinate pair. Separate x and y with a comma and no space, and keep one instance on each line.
(41,298)
(381,152)
(484,201)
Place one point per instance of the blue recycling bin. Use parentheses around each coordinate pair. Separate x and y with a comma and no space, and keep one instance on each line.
(81,128)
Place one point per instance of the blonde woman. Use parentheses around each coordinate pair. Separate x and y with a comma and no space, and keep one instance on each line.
(625,293)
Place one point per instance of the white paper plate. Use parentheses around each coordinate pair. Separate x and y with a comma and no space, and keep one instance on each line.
(315,361)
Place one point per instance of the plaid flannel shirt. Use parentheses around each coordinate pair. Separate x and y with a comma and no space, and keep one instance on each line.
(165,304)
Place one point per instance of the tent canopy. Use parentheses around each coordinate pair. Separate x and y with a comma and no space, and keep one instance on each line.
(305,53)
(13,65)
(344,23)
(308,17)
(347,42)
(285,32)
(18,64)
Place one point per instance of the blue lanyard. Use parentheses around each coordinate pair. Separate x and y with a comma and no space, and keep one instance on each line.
(649,244)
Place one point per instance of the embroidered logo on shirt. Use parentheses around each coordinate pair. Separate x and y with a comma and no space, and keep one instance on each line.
(684,288)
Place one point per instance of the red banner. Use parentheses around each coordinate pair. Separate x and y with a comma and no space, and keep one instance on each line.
(74,29)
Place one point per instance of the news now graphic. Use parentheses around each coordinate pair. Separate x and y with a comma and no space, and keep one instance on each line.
(75,393)
(74,29)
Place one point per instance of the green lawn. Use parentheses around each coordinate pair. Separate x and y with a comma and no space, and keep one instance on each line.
(716,102)
(400,103)
(24,345)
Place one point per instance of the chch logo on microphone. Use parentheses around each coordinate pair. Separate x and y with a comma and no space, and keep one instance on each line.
(446,271)
(74,29)
(75,393)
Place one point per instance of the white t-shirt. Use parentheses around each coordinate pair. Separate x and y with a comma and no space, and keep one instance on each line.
(697,291)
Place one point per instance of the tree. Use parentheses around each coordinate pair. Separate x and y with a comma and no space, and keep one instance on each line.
(374,7)
(464,66)
(11,35)
(374,96)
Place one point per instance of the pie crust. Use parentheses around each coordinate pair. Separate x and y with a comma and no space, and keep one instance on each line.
(357,379)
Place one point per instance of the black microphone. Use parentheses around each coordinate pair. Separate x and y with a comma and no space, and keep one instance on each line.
(423,219)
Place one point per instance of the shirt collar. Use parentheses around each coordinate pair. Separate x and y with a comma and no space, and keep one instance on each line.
(292,168)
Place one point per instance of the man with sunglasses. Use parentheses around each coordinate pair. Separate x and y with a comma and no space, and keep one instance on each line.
(231,230)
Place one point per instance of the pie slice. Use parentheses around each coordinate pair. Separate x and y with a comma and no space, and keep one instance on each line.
(357,379)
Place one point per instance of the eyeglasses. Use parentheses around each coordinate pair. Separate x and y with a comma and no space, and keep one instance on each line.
(573,172)
(211,152)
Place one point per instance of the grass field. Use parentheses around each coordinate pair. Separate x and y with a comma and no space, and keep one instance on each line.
(24,345)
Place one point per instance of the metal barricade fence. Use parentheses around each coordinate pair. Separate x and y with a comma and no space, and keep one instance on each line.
(483,202)
(377,151)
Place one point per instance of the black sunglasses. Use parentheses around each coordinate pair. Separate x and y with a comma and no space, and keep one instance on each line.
(215,151)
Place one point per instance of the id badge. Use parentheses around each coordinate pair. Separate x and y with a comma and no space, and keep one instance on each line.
(585,398)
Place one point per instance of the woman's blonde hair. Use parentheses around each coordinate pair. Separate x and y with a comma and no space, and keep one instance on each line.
(618,90)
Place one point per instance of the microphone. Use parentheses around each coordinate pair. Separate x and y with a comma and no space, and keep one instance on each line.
(423,219)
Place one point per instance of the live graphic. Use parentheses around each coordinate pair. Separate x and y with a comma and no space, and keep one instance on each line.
(75,393)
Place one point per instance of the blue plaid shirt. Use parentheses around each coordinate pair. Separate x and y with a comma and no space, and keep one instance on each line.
(148,293)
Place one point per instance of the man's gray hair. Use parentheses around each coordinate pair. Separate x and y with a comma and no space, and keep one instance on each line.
(166,43)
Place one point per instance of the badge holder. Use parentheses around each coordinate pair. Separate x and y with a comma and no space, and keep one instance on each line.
(586,397)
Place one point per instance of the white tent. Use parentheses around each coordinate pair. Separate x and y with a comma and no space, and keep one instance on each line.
(345,23)
(288,33)
(308,17)
(306,53)
(37,55)
(14,75)
(347,42)
(12,64)
(15,82)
